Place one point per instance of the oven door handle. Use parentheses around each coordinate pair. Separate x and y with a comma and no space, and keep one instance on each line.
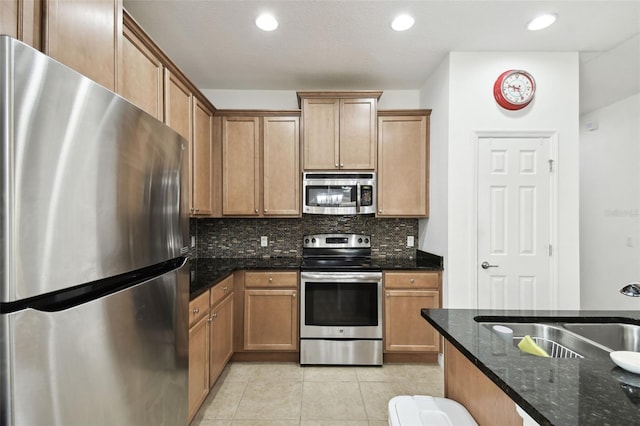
(358,197)
(341,276)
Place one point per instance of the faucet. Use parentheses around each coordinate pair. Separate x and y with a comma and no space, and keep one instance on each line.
(631,289)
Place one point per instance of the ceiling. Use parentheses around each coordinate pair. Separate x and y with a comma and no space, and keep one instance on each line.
(349,45)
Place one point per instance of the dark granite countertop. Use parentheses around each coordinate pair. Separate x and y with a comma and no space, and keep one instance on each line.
(206,272)
(554,391)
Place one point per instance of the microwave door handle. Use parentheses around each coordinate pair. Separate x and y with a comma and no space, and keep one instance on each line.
(358,197)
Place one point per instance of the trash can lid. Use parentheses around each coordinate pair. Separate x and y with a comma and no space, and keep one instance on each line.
(407,410)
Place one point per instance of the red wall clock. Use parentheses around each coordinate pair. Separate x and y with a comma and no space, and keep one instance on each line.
(514,89)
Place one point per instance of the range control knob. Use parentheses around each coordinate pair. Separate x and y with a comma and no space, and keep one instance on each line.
(313,240)
(360,240)
(306,241)
(366,240)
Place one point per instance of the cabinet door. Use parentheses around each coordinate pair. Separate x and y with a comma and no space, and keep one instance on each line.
(240,166)
(281,172)
(177,104)
(202,199)
(221,337)
(321,134)
(270,320)
(178,114)
(20,19)
(141,77)
(198,365)
(358,134)
(405,329)
(85,35)
(403,166)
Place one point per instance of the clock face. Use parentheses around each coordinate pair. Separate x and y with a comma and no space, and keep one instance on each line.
(514,89)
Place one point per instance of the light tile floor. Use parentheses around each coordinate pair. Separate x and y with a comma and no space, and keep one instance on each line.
(273,394)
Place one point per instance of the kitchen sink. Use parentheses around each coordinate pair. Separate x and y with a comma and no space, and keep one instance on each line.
(558,341)
(614,336)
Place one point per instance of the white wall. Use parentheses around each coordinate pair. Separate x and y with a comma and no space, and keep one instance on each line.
(433,236)
(472,108)
(610,204)
(286,99)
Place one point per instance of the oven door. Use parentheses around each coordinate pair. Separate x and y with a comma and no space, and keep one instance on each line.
(344,305)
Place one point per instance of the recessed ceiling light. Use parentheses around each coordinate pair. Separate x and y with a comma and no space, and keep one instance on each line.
(266,22)
(402,23)
(542,22)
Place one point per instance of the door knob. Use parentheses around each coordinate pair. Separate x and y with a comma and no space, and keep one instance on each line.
(486,265)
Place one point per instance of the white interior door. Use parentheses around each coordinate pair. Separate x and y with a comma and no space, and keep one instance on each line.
(514,223)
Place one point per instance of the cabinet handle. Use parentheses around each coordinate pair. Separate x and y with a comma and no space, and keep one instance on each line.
(387,294)
(270,279)
(210,319)
(224,289)
(380,211)
(265,210)
(293,294)
(336,165)
(256,210)
(214,315)
(412,280)
(196,311)
(341,165)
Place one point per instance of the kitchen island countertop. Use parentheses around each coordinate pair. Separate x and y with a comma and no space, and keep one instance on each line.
(206,272)
(553,391)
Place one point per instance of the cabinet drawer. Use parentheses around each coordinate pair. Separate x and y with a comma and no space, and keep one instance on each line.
(220,290)
(271,279)
(198,308)
(411,280)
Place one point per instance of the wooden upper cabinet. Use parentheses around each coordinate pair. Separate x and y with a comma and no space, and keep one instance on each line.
(21,20)
(339,130)
(177,104)
(281,179)
(403,163)
(260,163)
(358,134)
(321,138)
(240,166)
(86,36)
(141,76)
(201,193)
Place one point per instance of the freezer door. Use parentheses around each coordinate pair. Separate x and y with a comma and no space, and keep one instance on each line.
(118,360)
(92,185)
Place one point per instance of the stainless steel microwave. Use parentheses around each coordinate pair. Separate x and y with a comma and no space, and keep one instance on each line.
(339,193)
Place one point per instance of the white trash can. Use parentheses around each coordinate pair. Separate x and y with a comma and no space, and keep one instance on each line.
(420,410)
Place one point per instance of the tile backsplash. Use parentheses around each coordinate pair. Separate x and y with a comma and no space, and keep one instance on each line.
(225,238)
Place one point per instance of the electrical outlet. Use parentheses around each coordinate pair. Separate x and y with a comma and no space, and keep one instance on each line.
(410,241)
(264,241)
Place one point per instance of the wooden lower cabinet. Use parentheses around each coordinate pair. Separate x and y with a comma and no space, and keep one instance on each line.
(210,340)
(484,400)
(271,311)
(405,331)
(221,337)
(198,364)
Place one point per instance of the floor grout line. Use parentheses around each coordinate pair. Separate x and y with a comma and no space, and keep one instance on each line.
(405,378)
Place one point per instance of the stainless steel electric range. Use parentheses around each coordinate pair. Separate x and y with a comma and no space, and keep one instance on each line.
(341,301)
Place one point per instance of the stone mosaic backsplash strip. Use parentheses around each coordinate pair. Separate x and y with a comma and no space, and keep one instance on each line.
(240,238)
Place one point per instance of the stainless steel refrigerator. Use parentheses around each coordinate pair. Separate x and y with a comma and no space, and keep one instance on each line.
(94,277)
